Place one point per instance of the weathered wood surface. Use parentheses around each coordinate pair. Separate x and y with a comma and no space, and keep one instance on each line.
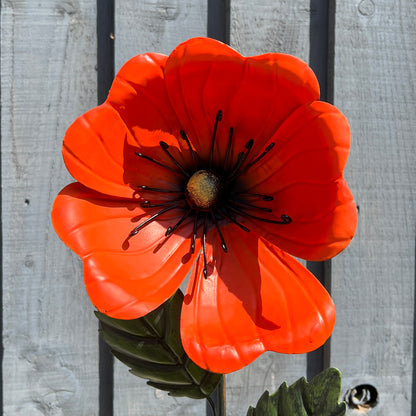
(153,26)
(50,334)
(48,55)
(373,280)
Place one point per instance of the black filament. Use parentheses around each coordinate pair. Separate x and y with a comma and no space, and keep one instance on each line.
(218,118)
(149,220)
(285,219)
(185,137)
(230,142)
(157,163)
(223,245)
(194,233)
(171,230)
(204,247)
(165,148)
(249,165)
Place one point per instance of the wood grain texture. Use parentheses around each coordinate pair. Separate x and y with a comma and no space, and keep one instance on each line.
(156,25)
(373,280)
(256,28)
(271,26)
(50,333)
(153,26)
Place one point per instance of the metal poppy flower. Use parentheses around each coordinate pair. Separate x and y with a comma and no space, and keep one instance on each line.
(219,166)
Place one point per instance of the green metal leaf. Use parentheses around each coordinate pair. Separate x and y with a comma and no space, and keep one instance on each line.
(317,398)
(151,346)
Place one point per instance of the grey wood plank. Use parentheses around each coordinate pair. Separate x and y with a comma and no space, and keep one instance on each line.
(153,26)
(256,28)
(270,26)
(373,279)
(156,25)
(50,333)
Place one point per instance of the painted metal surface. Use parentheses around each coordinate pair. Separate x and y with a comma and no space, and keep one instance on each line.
(48,58)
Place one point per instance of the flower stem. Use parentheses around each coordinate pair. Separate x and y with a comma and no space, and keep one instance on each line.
(217,400)
(212,404)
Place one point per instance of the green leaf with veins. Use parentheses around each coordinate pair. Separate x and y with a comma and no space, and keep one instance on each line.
(151,346)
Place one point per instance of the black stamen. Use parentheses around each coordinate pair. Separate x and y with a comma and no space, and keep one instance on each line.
(165,148)
(285,219)
(237,164)
(171,230)
(194,233)
(246,205)
(230,140)
(263,197)
(266,150)
(223,214)
(150,219)
(146,188)
(148,204)
(185,137)
(218,118)
(241,158)
(157,163)
(204,248)
(223,245)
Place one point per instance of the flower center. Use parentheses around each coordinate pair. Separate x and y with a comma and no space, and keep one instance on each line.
(203,190)
(207,198)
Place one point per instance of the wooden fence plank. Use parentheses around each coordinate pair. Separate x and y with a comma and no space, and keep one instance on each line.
(50,332)
(156,25)
(260,27)
(373,280)
(153,26)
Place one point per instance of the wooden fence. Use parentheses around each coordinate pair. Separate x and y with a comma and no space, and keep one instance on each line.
(364,52)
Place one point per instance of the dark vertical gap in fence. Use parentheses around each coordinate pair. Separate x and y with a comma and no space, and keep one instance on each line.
(321,60)
(414,348)
(322,42)
(1,260)
(105,48)
(319,359)
(218,27)
(105,75)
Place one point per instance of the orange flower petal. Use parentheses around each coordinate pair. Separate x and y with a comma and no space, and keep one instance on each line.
(256,298)
(100,146)
(125,277)
(255,94)
(311,146)
(324,219)
(139,95)
(93,151)
(303,174)
(99,152)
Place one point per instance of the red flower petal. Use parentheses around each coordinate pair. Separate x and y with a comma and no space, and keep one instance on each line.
(139,95)
(256,94)
(303,173)
(99,152)
(256,298)
(125,277)
(311,146)
(100,146)
(324,219)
